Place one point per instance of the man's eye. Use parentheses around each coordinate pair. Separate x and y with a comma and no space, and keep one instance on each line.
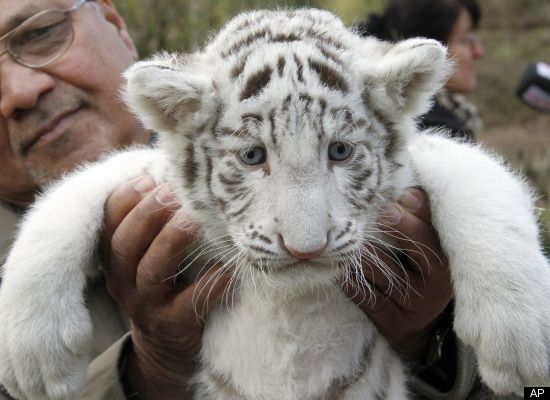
(253,156)
(340,151)
(35,34)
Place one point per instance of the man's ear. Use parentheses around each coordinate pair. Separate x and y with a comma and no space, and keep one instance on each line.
(112,16)
(407,76)
(169,93)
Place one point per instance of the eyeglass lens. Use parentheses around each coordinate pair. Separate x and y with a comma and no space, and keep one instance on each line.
(41,38)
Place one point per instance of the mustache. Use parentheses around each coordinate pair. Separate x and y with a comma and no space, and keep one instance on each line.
(30,124)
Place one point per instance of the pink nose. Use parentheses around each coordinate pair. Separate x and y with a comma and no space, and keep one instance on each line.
(303,255)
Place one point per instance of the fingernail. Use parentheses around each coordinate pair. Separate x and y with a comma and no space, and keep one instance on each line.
(164,195)
(183,222)
(411,200)
(392,215)
(145,184)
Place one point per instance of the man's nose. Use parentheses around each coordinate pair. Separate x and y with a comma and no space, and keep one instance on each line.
(21,87)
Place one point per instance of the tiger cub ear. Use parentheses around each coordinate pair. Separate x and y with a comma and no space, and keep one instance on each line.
(170,93)
(407,76)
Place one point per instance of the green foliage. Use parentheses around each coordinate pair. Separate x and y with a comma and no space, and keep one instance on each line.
(183,25)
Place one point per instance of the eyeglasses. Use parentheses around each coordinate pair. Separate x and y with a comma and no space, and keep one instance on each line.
(42,38)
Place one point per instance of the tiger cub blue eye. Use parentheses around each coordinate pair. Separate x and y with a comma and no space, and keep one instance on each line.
(253,156)
(340,151)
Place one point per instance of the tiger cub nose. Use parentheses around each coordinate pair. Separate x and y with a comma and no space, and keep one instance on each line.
(302,255)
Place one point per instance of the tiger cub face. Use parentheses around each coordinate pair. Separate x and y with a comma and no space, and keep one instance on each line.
(291,143)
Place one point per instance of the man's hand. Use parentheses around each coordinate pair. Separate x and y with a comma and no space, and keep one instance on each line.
(144,242)
(406,306)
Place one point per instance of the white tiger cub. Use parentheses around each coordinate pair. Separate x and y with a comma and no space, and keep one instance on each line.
(286,136)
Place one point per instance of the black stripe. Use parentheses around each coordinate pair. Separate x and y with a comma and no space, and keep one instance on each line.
(300,70)
(209,169)
(241,210)
(344,231)
(393,142)
(281,66)
(265,239)
(245,42)
(286,103)
(323,106)
(345,245)
(240,193)
(324,39)
(285,38)
(235,179)
(354,203)
(307,99)
(330,55)
(340,235)
(329,76)
(256,83)
(272,121)
(237,70)
(253,116)
(261,250)
(358,181)
(199,205)
(226,131)
(190,167)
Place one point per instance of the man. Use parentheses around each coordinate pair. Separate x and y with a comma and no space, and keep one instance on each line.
(59,76)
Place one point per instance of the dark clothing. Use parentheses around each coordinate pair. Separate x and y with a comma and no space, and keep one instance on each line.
(454,113)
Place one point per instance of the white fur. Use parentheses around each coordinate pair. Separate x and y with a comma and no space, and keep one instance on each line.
(484,216)
(288,332)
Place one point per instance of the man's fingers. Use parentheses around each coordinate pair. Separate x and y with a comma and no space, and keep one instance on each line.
(411,230)
(416,201)
(119,204)
(136,232)
(400,271)
(158,269)
(408,224)
(386,272)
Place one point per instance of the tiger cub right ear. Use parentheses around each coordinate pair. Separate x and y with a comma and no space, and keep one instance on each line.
(170,93)
(407,76)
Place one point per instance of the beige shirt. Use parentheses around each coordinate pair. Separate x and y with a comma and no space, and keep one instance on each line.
(8,226)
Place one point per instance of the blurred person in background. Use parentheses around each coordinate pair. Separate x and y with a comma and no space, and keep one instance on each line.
(454,23)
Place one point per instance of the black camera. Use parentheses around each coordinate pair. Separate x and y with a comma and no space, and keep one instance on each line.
(534,87)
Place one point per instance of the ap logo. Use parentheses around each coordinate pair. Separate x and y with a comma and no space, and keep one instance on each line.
(536,393)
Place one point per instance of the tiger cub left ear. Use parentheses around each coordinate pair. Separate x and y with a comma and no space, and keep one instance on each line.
(170,93)
(407,76)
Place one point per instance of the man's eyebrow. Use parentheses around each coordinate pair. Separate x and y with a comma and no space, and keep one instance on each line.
(24,14)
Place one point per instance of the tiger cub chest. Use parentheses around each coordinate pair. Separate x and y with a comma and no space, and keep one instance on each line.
(307,347)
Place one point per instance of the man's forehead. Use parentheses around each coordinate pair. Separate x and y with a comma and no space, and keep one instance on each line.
(14,12)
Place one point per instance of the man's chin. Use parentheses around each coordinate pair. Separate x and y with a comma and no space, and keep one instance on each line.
(45,170)
(48,165)
(44,175)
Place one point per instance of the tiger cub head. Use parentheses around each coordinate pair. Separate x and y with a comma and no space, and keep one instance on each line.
(287,136)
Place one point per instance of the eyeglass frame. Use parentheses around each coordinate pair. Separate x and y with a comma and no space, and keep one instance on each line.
(68,12)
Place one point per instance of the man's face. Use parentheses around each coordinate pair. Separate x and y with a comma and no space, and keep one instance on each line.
(69,111)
